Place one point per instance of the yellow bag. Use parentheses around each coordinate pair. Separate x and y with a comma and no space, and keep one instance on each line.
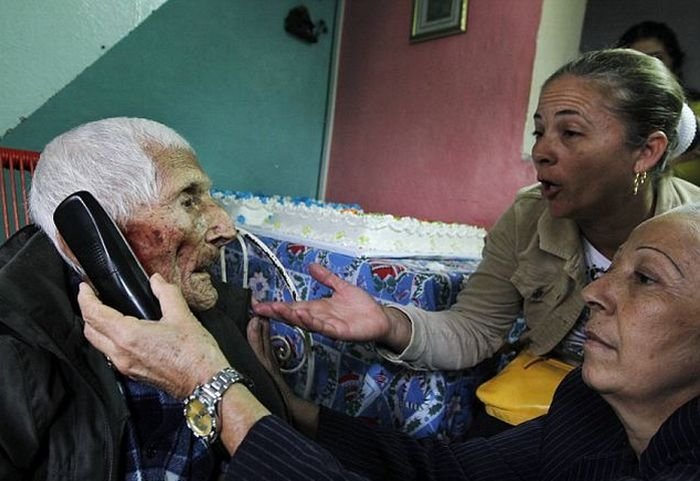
(523,390)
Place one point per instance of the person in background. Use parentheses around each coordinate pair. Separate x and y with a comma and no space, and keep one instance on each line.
(66,414)
(631,412)
(600,155)
(659,40)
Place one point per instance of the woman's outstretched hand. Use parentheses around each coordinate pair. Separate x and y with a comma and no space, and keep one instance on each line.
(350,314)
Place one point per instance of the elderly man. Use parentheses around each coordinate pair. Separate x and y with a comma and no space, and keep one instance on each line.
(631,412)
(66,413)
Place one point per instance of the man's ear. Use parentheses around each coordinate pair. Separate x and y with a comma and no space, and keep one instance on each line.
(63,247)
(651,152)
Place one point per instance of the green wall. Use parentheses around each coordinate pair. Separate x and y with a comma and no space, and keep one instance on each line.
(251,99)
(46,44)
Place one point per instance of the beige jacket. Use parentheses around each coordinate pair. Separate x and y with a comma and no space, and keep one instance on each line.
(532,265)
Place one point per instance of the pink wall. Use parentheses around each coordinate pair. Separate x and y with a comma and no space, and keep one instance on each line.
(434,129)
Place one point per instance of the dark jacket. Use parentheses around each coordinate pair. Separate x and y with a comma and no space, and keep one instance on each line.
(63,416)
(581,439)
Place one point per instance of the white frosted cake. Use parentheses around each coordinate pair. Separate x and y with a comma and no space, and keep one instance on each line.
(347,229)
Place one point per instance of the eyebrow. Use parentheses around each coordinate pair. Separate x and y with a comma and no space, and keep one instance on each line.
(192,187)
(197,184)
(666,256)
(560,113)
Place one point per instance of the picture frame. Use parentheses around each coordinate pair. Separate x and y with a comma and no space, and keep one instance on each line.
(438,18)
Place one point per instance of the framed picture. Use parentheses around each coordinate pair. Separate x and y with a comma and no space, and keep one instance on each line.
(437,18)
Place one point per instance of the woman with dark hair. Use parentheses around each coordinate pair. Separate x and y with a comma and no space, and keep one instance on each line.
(659,40)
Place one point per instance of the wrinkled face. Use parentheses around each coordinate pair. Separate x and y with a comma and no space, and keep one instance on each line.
(654,48)
(180,236)
(581,160)
(643,337)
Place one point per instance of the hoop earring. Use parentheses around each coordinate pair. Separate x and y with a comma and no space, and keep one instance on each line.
(639,179)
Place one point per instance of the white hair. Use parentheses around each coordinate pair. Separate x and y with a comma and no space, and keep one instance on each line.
(110,158)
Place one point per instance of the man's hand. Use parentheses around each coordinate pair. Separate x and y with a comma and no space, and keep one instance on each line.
(175,353)
(350,314)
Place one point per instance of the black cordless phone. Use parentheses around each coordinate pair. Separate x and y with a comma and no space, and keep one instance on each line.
(105,256)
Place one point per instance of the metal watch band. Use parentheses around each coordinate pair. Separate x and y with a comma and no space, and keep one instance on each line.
(221,381)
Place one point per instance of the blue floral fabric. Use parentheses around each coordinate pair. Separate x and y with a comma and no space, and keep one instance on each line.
(352,377)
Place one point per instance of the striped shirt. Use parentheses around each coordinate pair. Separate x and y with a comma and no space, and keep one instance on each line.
(568,444)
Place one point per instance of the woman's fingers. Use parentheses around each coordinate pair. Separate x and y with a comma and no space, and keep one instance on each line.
(326,277)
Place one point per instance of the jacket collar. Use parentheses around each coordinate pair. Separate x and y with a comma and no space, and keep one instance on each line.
(50,319)
(668,193)
(559,237)
(33,265)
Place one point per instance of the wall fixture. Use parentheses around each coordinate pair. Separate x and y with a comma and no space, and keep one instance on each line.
(298,23)
(438,18)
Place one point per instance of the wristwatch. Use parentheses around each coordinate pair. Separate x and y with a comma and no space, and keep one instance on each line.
(202,406)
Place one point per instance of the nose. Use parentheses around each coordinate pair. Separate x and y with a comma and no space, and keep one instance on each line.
(220,228)
(542,152)
(599,295)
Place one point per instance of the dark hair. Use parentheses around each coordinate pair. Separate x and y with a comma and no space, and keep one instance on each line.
(661,32)
(639,89)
